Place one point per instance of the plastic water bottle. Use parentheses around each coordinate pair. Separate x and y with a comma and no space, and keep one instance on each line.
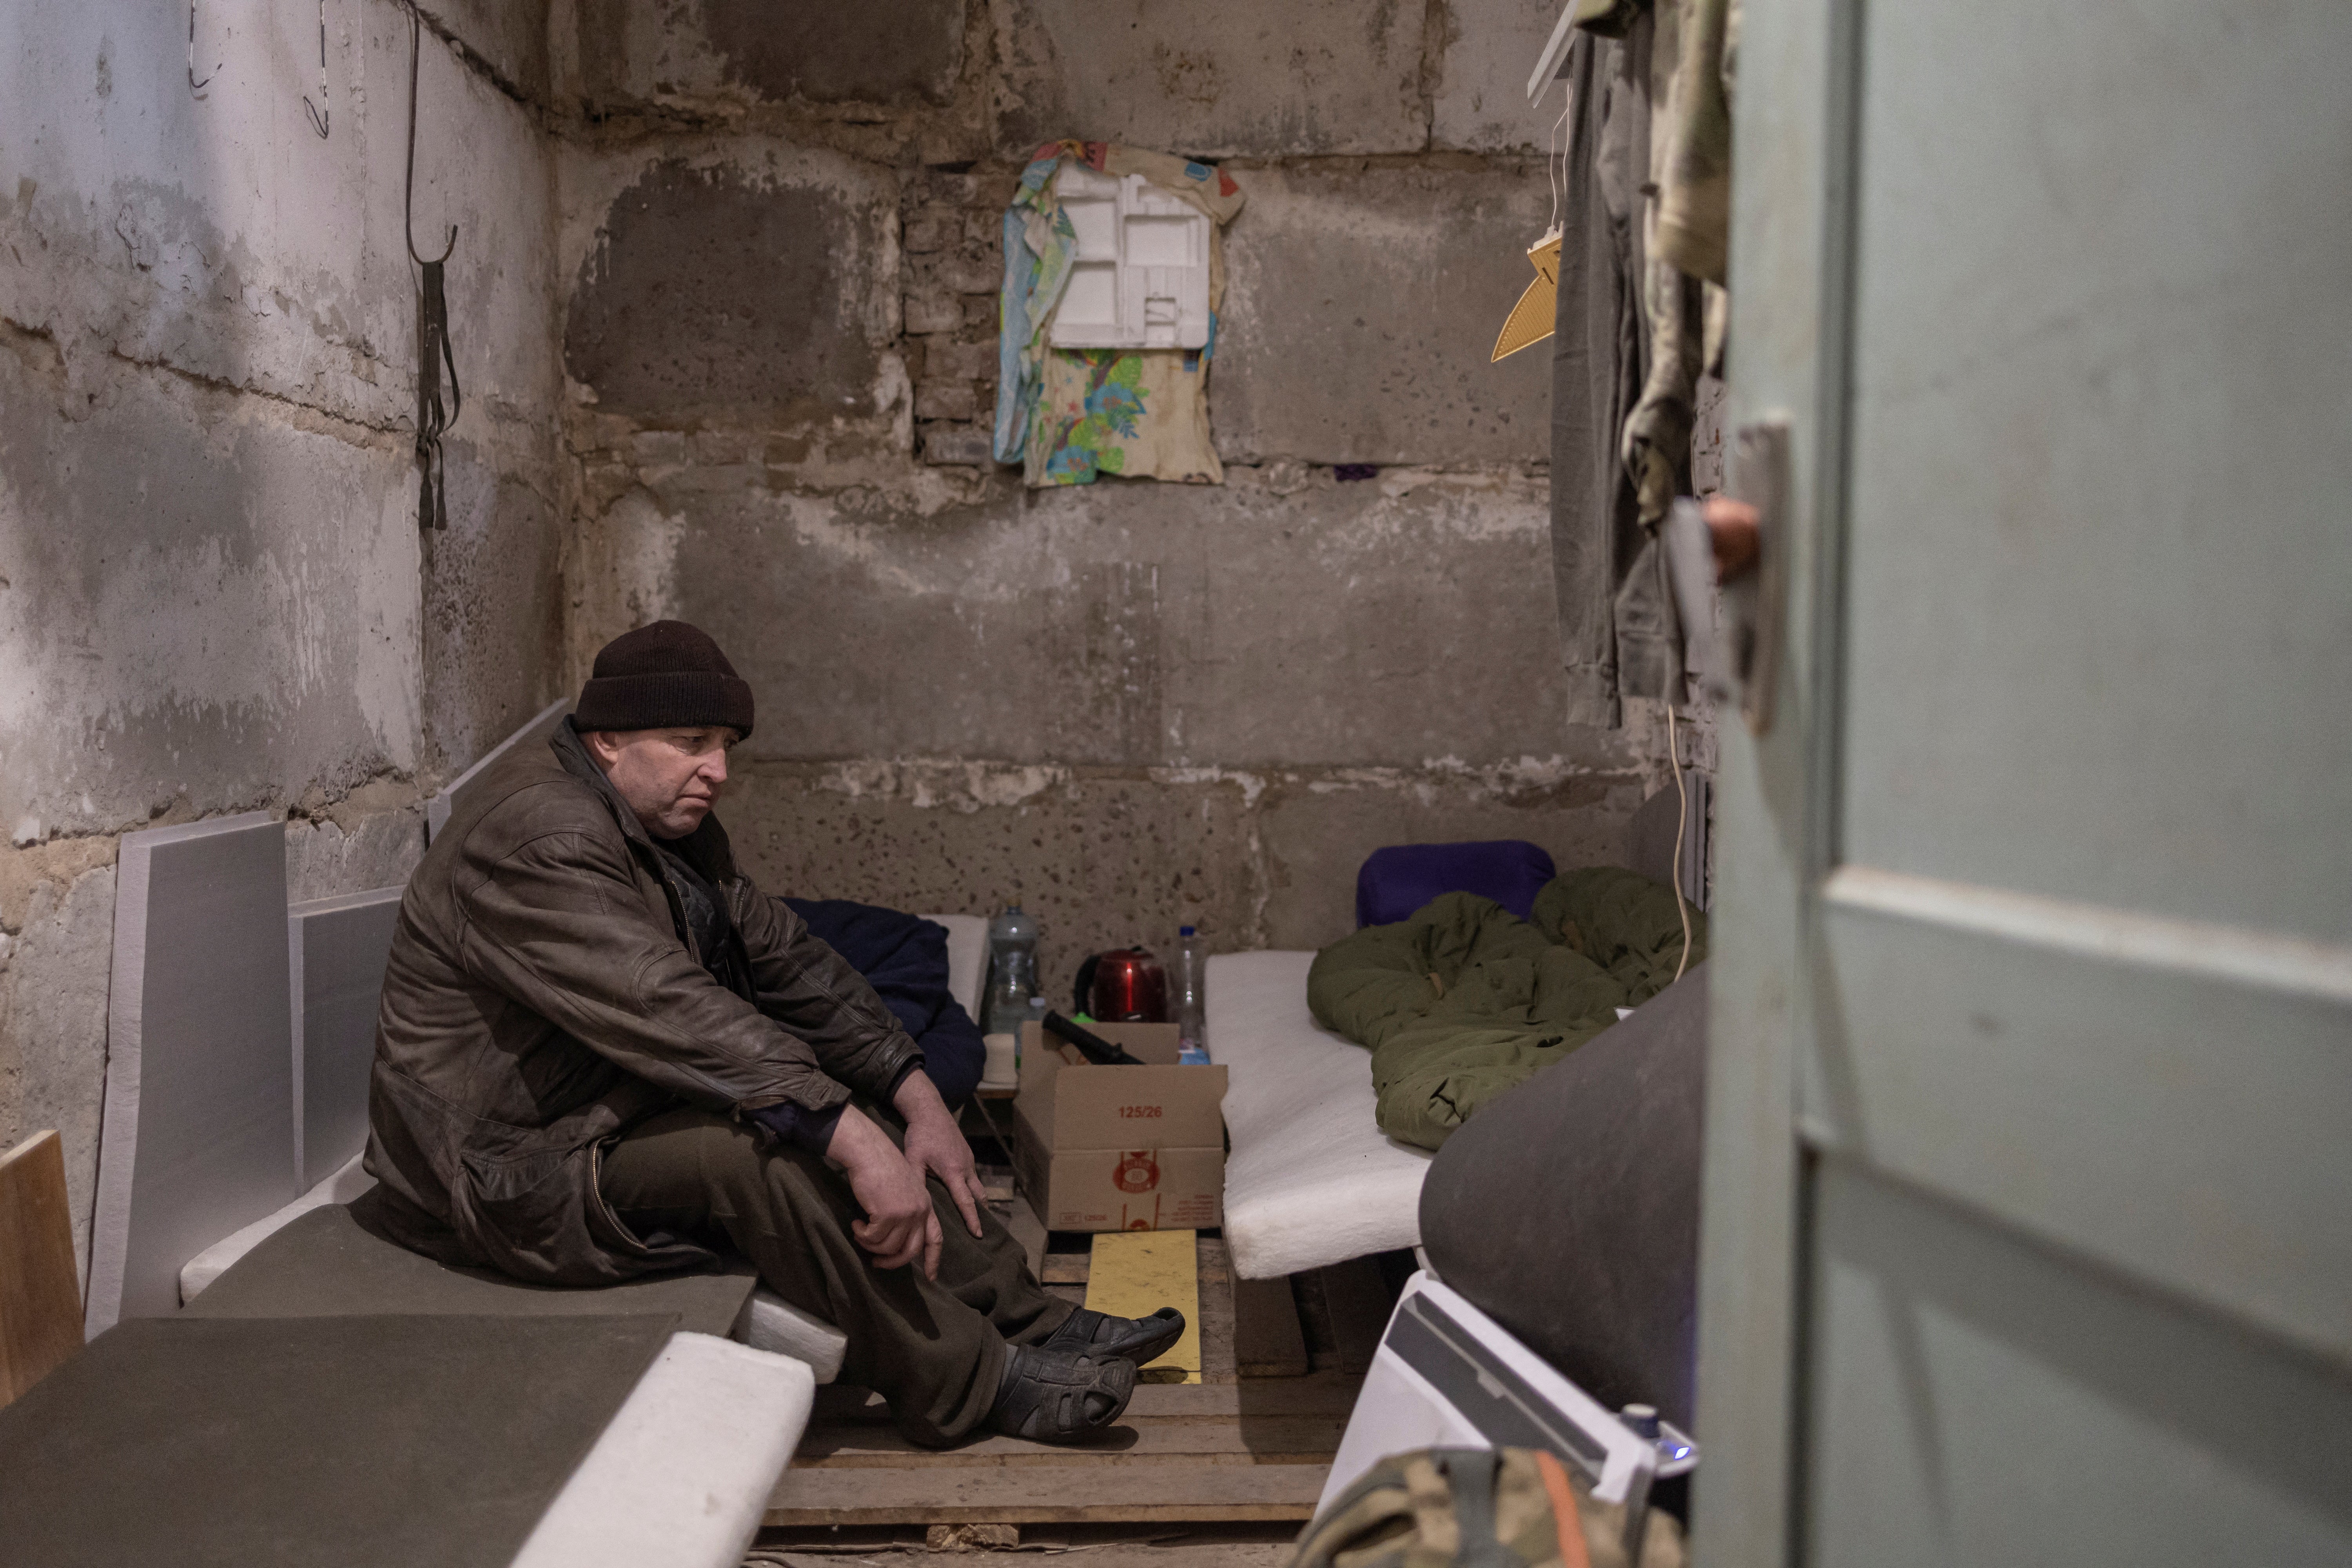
(1012,970)
(1191,999)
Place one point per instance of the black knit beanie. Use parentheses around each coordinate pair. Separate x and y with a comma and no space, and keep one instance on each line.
(666,676)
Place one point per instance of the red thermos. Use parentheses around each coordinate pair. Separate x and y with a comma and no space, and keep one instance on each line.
(1130,988)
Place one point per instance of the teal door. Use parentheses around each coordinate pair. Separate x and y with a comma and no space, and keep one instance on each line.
(2028,1213)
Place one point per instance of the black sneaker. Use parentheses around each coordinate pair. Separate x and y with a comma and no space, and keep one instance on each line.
(1050,1397)
(1139,1340)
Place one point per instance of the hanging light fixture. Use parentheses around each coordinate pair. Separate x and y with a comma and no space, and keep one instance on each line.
(1530,320)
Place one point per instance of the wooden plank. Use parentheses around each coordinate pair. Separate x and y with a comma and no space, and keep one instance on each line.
(1266,1338)
(1030,1232)
(40,1290)
(1216,1274)
(1358,1301)
(933,1494)
(1067,1269)
(1317,1393)
(1256,1439)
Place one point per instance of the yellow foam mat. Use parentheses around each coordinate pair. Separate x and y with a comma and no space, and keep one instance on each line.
(1134,1273)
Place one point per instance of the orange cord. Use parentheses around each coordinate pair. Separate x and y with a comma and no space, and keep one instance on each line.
(1563,1511)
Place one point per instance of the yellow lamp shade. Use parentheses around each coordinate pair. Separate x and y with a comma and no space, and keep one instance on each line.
(1530,320)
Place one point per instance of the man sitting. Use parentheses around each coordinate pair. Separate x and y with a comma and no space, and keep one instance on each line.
(601,1052)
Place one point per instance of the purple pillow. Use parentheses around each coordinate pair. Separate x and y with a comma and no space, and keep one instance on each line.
(1399,880)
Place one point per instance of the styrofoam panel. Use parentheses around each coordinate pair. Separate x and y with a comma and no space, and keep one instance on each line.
(1141,279)
(540,726)
(335,950)
(967,957)
(198,1132)
(681,1475)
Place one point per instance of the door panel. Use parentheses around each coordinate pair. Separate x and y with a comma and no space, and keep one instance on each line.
(2186,1129)
(2099,574)
(1989,1402)
(2052,844)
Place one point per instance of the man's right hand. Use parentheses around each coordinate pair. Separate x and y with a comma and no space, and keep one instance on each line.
(900,1224)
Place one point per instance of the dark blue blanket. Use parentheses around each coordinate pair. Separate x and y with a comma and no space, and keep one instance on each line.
(905,959)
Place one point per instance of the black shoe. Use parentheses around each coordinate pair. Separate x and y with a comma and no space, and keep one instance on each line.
(1139,1340)
(1050,1397)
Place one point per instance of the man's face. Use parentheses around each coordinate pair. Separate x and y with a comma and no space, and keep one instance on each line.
(669,777)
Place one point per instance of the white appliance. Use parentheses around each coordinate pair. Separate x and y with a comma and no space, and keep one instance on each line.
(1448,1376)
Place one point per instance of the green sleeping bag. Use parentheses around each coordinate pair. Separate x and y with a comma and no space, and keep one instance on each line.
(1465,999)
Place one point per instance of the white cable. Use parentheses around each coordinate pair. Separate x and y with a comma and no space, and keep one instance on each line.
(1553,150)
(1682,831)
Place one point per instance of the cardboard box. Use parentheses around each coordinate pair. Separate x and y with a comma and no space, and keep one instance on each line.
(1124,1148)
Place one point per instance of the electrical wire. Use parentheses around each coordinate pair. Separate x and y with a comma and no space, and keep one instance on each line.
(1556,159)
(193,84)
(319,113)
(1682,831)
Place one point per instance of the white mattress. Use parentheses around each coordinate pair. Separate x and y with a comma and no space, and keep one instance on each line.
(1311,1180)
(681,1477)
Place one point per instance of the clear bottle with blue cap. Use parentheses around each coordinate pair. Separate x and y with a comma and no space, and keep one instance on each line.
(1191,999)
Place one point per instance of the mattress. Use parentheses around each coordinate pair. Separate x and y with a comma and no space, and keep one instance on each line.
(766,1321)
(365,1442)
(1311,1180)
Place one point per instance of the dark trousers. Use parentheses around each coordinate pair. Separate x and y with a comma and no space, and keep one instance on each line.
(934,1349)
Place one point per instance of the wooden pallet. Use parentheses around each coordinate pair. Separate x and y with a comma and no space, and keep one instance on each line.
(1198,1452)
(1228,1448)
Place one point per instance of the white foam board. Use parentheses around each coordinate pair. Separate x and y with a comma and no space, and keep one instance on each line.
(967,956)
(772,1323)
(540,726)
(1141,279)
(197,1137)
(198,1272)
(680,1476)
(336,950)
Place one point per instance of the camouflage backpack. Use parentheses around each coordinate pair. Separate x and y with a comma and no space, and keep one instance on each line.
(1478,1508)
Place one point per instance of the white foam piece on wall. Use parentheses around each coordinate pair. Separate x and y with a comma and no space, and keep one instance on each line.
(680,1476)
(541,725)
(1141,277)
(1312,1180)
(197,1136)
(335,952)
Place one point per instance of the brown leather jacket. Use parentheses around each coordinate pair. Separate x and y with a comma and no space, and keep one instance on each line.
(543,995)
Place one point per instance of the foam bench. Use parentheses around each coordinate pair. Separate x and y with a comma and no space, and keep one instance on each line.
(482,1440)
(1311,1180)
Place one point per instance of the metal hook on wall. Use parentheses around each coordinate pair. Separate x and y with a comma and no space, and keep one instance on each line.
(193,84)
(318,114)
(408,200)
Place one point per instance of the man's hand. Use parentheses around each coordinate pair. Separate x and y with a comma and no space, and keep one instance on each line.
(936,1145)
(899,1223)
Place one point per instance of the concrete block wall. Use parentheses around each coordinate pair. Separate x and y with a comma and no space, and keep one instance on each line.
(1128,704)
(214,592)
(723,304)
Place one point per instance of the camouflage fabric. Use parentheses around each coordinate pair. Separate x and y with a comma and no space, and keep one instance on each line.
(1466,1000)
(1685,229)
(1695,187)
(1479,1508)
